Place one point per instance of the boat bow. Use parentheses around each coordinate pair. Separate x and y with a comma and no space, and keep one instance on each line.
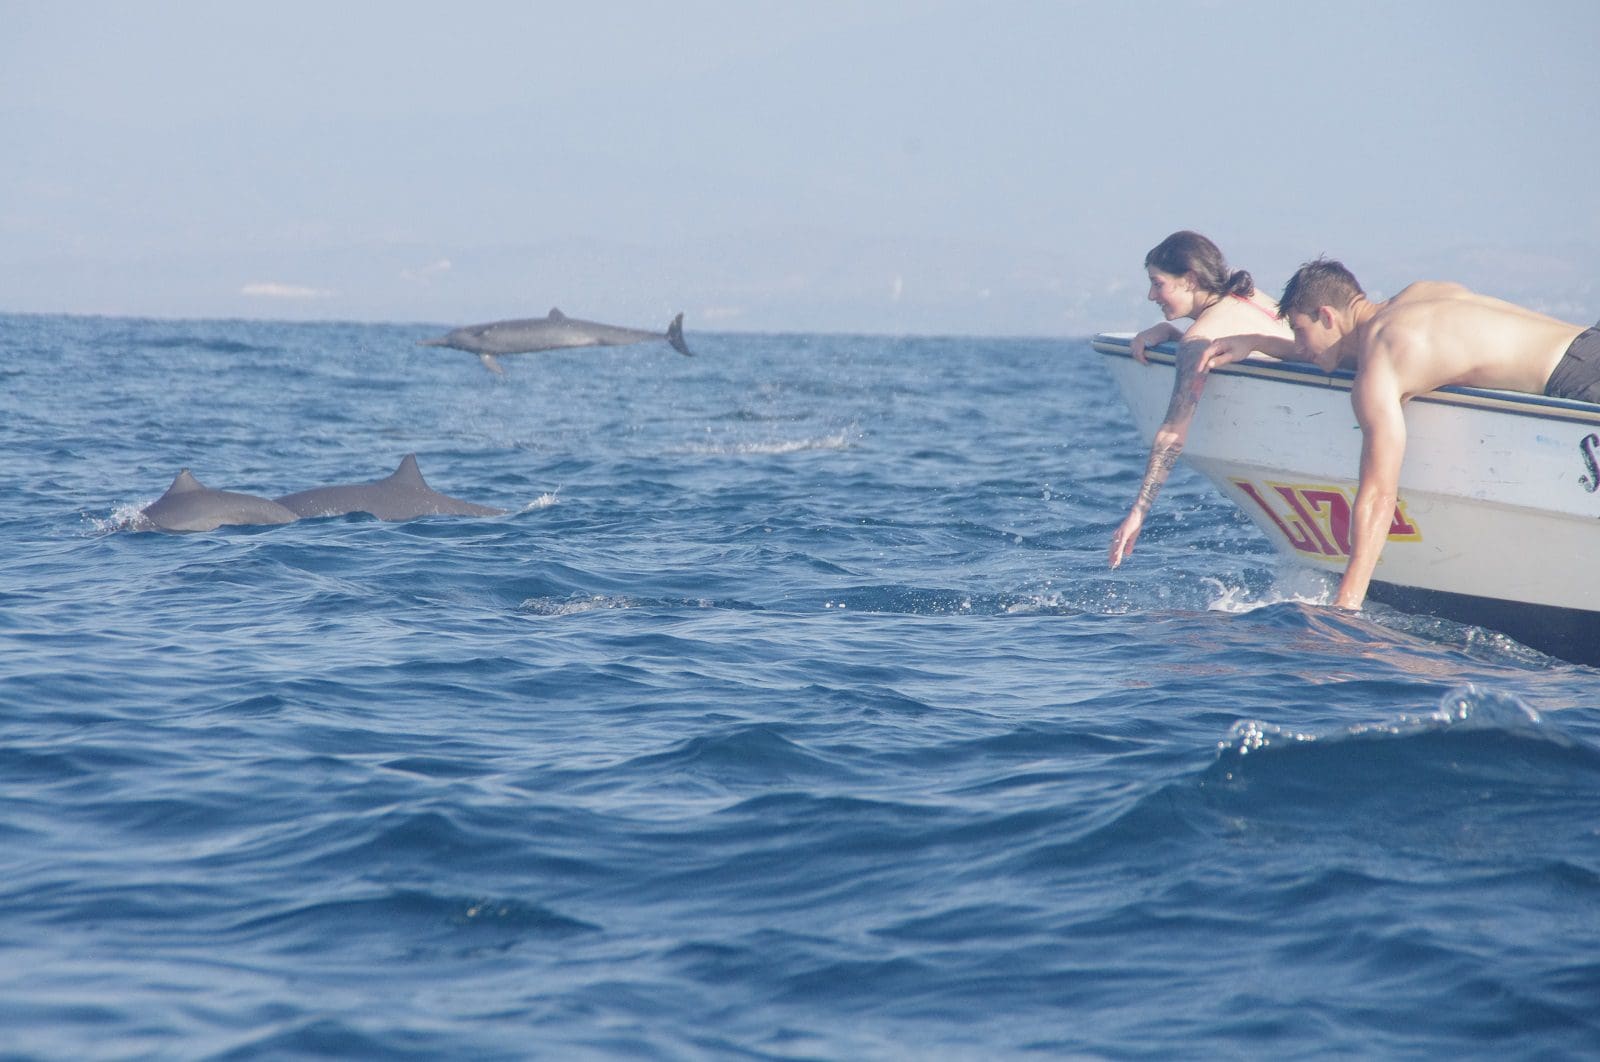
(1499,492)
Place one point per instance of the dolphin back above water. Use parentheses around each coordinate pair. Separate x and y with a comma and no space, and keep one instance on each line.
(189,505)
(555,332)
(403,495)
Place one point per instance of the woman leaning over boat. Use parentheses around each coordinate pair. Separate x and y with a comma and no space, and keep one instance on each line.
(1189,280)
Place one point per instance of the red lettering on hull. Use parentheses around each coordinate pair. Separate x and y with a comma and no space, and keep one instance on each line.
(1315,520)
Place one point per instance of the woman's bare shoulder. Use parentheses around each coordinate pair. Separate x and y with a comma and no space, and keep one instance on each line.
(1238,317)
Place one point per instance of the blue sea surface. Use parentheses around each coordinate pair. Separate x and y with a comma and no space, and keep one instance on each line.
(790,712)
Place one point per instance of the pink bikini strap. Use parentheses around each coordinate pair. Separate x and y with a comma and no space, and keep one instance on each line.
(1256,306)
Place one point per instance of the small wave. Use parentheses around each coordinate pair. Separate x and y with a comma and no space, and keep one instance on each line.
(1040,603)
(915,601)
(299,925)
(579,603)
(208,345)
(543,501)
(1466,709)
(928,601)
(840,440)
(760,755)
(307,1034)
(572,606)
(1484,776)
(1479,642)
(1477,745)
(1293,586)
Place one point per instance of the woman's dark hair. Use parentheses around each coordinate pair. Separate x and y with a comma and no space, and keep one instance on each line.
(1189,252)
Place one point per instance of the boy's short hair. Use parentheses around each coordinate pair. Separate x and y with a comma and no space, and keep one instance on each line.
(1319,283)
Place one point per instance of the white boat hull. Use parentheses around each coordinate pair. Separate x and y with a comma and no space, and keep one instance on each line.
(1499,492)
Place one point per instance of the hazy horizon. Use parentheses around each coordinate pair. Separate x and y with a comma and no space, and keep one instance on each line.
(926,168)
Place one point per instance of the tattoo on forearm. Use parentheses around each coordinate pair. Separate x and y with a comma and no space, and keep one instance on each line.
(1162,458)
(1186,389)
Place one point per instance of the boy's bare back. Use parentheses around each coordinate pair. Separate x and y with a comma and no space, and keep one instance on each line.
(1433,334)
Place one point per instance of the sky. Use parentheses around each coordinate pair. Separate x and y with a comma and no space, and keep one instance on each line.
(877,166)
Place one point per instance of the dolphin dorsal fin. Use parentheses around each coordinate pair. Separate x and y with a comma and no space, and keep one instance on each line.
(408,474)
(557,315)
(184,483)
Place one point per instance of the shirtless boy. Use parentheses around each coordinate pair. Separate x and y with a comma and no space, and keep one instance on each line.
(1428,336)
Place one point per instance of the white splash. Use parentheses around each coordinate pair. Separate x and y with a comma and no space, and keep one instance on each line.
(1299,586)
(123,518)
(543,501)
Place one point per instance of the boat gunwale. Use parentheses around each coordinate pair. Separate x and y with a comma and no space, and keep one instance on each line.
(1515,403)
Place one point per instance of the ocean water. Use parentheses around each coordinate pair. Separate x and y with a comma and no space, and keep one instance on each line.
(790,712)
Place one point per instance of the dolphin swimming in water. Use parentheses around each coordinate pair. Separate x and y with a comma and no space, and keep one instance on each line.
(403,495)
(555,332)
(189,505)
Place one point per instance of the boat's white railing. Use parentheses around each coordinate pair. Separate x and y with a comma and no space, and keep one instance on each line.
(1518,403)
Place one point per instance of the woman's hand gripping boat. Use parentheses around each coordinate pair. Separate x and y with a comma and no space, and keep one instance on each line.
(1498,522)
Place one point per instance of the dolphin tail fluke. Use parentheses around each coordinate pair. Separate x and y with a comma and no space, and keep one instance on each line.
(490,363)
(675,336)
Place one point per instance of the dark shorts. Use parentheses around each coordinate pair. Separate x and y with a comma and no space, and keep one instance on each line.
(1577,374)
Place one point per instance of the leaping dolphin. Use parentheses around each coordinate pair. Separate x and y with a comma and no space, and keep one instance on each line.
(555,332)
(403,495)
(189,505)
